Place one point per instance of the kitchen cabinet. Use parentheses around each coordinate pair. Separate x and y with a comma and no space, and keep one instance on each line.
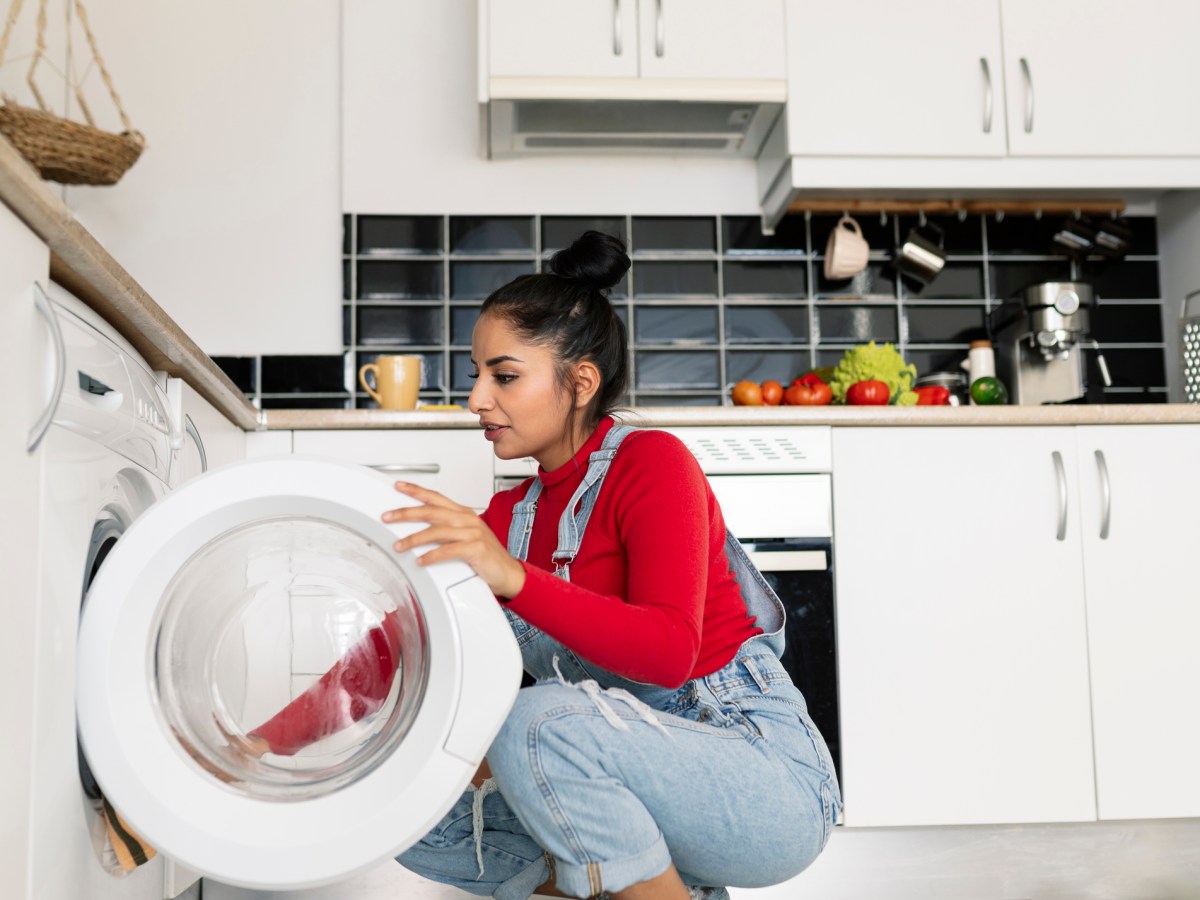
(454,462)
(210,440)
(1143,617)
(884,79)
(962,654)
(1101,77)
(24,356)
(648,39)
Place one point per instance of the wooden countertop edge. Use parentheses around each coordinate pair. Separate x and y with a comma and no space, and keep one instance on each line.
(667,416)
(81,264)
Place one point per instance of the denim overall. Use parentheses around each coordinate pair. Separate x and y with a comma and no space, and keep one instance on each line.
(602,781)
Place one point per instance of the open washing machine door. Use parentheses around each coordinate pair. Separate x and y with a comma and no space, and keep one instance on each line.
(261,608)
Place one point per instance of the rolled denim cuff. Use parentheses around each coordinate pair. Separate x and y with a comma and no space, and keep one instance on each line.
(522,885)
(589,879)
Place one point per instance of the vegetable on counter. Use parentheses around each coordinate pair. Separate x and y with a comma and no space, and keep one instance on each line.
(809,390)
(933,395)
(989,391)
(772,393)
(746,393)
(868,393)
(869,362)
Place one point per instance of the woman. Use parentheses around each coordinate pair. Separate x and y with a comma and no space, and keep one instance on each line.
(662,747)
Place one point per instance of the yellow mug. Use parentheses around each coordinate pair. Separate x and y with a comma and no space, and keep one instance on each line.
(397,380)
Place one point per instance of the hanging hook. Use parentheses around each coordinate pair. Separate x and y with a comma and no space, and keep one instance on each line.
(962,214)
(999,215)
(1077,214)
(882,217)
(921,217)
(1037,214)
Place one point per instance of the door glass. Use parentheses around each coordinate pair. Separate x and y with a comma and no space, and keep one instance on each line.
(290,657)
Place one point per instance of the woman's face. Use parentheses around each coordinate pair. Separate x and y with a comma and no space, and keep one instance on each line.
(517,395)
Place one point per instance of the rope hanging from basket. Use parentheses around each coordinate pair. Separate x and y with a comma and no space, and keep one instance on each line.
(62,150)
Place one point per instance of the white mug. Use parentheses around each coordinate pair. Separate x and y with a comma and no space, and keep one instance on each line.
(846,250)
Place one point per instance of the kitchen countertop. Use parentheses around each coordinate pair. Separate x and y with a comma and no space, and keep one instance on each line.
(83,266)
(666,416)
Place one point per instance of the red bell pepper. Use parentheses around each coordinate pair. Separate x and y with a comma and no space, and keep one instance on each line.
(933,395)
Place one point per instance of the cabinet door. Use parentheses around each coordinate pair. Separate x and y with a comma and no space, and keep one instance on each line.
(875,78)
(962,655)
(1143,615)
(733,40)
(457,463)
(1101,77)
(562,38)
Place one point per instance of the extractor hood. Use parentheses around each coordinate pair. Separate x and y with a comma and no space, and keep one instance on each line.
(598,122)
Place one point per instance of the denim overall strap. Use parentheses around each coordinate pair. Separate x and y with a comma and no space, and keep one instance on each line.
(522,521)
(761,600)
(572,525)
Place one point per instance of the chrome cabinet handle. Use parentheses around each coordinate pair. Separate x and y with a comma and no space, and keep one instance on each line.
(1028,77)
(1105,495)
(42,425)
(415,468)
(616,27)
(660,30)
(987,95)
(1060,473)
(190,427)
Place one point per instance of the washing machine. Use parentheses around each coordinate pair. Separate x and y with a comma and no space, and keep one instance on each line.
(177,621)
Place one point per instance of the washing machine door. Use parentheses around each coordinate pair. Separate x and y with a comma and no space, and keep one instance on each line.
(272,696)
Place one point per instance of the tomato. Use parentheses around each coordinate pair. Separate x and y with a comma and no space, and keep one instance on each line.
(746,393)
(868,393)
(819,394)
(772,393)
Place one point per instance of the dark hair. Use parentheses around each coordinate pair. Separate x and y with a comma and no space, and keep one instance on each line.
(567,309)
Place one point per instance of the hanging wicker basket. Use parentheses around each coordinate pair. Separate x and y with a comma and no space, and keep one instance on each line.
(69,152)
(60,149)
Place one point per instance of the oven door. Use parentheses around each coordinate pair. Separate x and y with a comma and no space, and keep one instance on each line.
(800,570)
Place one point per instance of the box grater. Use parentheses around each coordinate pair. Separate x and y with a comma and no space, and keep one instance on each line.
(1189,347)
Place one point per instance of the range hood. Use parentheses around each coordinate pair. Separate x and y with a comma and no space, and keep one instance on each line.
(529,126)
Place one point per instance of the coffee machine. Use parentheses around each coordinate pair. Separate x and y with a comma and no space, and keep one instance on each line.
(1038,337)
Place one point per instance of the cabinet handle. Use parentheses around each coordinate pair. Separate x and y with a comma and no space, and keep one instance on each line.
(415,468)
(616,27)
(1105,495)
(42,303)
(660,30)
(987,95)
(193,432)
(1060,473)
(1028,77)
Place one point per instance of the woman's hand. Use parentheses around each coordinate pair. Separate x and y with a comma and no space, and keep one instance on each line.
(461,534)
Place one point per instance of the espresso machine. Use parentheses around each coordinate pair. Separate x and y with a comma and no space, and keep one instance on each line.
(1038,338)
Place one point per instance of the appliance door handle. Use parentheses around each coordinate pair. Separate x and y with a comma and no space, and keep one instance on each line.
(789,560)
(190,428)
(987,95)
(1060,474)
(617,44)
(42,425)
(1105,495)
(660,29)
(413,468)
(1027,76)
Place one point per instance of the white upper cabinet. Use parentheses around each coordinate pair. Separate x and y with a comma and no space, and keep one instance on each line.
(1140,493)
(872,78)
(1102,77)
(722,39)
(563,38)
(726,40)
(962,655)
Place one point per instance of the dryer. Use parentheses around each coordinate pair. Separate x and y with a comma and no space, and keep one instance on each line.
(172,622)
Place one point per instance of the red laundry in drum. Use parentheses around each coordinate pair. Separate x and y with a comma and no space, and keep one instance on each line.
(356,686)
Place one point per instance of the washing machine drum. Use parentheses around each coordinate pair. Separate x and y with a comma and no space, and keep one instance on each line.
(272,696)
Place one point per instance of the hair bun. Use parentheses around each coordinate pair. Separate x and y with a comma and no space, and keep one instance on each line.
(595,259)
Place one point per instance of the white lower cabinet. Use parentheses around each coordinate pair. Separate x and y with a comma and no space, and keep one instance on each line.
(455,462)
(1143,607)
(962,656)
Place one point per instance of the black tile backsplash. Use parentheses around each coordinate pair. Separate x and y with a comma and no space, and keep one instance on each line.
(713,299)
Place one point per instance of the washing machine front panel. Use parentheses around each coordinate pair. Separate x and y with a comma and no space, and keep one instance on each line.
(261,608)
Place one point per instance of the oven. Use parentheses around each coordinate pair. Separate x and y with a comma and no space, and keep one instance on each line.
(774,485)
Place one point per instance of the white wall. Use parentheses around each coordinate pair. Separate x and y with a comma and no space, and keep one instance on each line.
(412,136)
(231,218)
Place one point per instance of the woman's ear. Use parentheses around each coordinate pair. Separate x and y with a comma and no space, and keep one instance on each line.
(587,382)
